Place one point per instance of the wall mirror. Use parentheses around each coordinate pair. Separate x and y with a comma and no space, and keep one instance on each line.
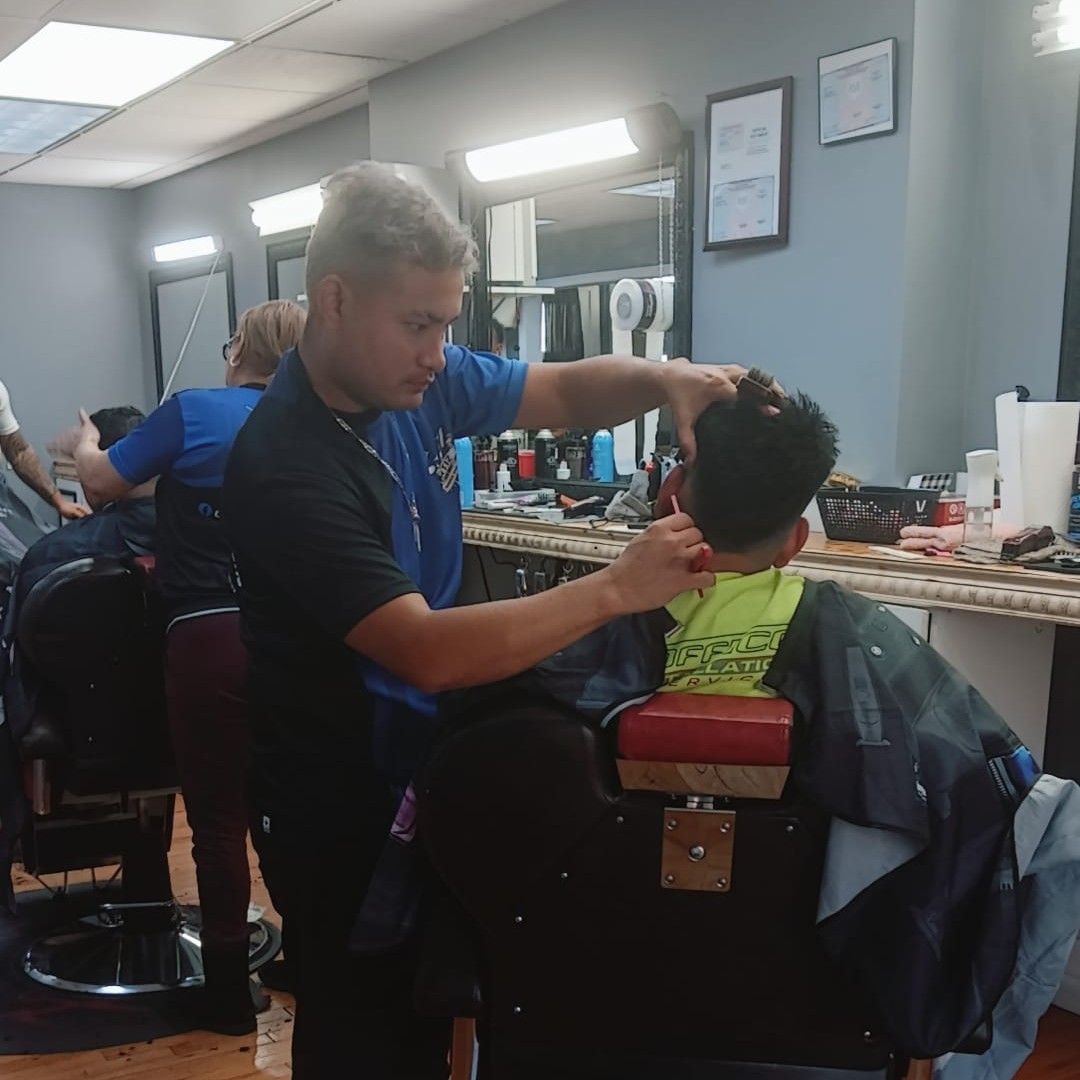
(285,262)
(193,309)
(553,249)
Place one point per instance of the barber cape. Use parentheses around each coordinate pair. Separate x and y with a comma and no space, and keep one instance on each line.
(953,865)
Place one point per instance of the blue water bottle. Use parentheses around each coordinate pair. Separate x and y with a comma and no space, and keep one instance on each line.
(603,456)
(464,450)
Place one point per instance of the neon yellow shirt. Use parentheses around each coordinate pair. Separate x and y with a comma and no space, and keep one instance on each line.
(725,642)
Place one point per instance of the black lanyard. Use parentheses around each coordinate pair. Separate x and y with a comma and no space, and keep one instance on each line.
(410,498)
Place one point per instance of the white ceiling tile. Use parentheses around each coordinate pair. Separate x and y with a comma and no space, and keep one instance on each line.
(141,135)
(262,68)
(26,9)
(506,11)
(80,172)
(13,32)
(400,32)
(209,18)
(227,102)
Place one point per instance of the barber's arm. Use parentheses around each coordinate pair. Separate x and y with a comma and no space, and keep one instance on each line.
(309,534)
(100,481)
(29,469)
(482,643)
(607,390)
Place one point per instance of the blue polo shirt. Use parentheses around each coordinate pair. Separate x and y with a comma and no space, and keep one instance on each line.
(186,442)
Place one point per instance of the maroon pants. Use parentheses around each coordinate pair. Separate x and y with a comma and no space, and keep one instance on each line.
(205,680)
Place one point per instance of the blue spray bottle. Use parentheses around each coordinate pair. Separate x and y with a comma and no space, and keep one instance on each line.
(603,456)
(463,448)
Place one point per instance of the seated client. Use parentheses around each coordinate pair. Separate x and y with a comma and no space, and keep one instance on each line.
(753,476)
(120,529)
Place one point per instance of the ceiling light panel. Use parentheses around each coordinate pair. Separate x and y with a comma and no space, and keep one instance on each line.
(212,18)
(29,126)
(99,65)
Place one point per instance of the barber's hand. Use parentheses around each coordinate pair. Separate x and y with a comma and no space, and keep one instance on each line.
(84,431)
(656,566)
(692,388)
(69,510)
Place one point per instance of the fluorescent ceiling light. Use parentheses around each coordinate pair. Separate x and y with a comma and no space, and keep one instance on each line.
(559,150)
(99,65)
(545,221)
(296,209)
(29,126)
(651,189)
(186,249)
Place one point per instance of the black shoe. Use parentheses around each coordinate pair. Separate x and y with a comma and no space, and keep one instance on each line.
(230,999)
(276,976)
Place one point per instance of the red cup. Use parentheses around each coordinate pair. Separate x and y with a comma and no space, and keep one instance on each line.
(526,464)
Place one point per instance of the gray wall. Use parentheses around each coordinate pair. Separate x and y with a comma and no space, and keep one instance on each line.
(825,312)
(943,175)
(214,199)
(1023,196)
(68,306)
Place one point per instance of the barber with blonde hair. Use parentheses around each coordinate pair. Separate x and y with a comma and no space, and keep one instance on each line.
(186,442)
(343,507)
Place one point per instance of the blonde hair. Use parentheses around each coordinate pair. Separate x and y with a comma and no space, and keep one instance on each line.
(265,332)
(372,220)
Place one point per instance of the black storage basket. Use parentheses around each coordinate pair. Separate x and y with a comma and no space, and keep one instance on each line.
(874,515)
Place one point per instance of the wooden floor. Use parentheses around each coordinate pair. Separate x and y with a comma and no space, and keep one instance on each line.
(204,1056)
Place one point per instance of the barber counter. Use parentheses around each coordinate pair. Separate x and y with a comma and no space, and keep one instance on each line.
(1014,633)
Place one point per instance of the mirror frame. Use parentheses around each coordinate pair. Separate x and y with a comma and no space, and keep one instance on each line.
(289,246)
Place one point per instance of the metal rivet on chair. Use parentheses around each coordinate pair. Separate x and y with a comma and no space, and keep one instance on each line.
(915,640)
(672,825)
(619,820)
(697,853)
(868,1036)
(517,1010)
(721,883)
(876,650)
(669,879)
(725,826)
(882,608)
(564,876)
(518,920)
(789,828)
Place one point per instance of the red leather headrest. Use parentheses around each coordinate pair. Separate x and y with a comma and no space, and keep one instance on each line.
(703,729)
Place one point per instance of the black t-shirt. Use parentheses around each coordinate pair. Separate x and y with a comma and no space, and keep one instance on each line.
(308,514)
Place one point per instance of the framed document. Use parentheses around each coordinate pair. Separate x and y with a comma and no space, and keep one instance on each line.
(857,93)
(748,133)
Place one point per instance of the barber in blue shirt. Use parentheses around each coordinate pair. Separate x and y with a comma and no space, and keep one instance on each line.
(186,442)
(341,501)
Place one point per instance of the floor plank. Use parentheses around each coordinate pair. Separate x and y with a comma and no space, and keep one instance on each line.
(205,1056)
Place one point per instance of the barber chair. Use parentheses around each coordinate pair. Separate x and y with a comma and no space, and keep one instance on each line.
(102,783)
(640,920)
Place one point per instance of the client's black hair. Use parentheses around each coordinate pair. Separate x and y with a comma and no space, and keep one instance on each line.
(115,423)
(754,474)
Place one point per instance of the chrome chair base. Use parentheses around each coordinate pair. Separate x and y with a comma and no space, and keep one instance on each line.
(127,949)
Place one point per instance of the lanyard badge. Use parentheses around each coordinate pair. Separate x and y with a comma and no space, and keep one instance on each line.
(410,497)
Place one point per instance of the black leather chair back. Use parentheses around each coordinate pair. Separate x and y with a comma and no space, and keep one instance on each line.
(95,640)
(590,967)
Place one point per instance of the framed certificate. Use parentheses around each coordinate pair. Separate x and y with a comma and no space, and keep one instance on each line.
(857,93)
(748,134)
